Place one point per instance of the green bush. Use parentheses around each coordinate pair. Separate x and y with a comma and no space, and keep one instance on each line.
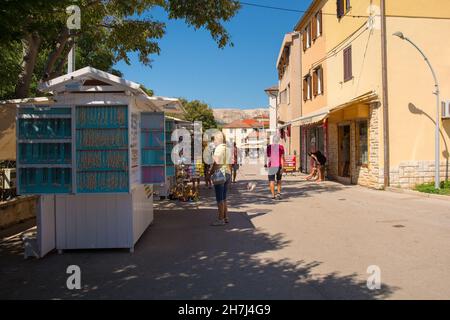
(429,188)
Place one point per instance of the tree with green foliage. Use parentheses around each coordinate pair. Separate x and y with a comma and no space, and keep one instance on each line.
(199,111)
(110,31)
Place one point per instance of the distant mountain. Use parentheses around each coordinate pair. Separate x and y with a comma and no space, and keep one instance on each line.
(225,116)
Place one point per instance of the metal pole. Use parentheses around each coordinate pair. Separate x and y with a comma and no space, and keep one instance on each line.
(71,60)
(437,162)
(386,155)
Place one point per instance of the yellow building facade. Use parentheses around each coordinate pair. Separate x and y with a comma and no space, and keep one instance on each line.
(289,91)
(342,89)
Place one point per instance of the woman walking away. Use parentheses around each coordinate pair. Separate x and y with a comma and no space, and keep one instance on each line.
(221,177)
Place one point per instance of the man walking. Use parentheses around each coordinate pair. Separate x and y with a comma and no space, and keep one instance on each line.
(275,164)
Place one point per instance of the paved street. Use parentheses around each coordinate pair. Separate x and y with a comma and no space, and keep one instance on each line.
(316,243)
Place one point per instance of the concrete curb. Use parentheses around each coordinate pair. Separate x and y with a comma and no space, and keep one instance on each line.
(419,194)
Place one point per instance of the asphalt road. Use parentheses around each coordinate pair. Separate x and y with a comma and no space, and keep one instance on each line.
(315,243)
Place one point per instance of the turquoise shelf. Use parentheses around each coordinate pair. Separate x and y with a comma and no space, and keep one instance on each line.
(44,150)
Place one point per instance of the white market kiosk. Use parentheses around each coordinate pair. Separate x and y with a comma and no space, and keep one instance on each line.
(92,151)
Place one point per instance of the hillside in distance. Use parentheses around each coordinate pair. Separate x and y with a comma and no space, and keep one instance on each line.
(225,116)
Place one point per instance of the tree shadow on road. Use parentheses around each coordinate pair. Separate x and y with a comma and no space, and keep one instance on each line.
(182,257)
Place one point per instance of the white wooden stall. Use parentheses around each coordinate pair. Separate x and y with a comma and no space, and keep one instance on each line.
(85,212)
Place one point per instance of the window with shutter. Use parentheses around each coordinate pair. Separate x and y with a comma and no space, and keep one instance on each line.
(314,27)
(340,8)
(309,87)
(315,82)
(307,37)
(305,88)
(348,72)
(321,83)
(318,81)
(319,23)
(304,38)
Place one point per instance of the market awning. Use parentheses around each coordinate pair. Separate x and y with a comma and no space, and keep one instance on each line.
(171,105)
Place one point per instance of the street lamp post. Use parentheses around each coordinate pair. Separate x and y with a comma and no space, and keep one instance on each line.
(437,179)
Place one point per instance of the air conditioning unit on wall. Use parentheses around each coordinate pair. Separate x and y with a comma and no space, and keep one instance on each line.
(446,109)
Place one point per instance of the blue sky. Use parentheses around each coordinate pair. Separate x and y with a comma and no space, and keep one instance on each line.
(192,66)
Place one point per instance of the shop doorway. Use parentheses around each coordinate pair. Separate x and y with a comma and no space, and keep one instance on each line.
(313,140)
(344,151)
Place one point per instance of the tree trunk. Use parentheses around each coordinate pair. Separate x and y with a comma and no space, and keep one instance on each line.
(59,69)
(56,54)
(31,45)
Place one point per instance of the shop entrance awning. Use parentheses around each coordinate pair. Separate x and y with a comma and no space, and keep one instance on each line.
(311,118)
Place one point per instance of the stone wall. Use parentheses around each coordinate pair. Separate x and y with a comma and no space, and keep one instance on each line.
(371,175)
(17,210)
(333,150)
(411,173)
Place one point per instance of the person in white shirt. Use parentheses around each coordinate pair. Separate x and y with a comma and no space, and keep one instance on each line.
(221,168)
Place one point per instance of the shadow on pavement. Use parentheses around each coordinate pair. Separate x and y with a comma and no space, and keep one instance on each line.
(182,257)
(242,199)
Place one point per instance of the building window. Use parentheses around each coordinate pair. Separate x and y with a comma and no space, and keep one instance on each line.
(348,69)
(307,88)
(363,143)
(307,38)
(318,81)
(317,25)
(284,97)
(342,7)
(289,94)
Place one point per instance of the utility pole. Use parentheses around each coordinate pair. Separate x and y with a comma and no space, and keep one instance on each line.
(386,154)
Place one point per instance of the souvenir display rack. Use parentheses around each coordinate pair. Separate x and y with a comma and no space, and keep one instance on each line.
(170,166)
(153,148)
(182,190)
(102,149)
(44,150)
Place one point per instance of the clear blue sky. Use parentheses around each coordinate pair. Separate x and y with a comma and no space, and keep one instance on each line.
(192,66)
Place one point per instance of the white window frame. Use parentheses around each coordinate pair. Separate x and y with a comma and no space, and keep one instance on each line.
(318,24)
(319,81)
(309,88)
(308,36)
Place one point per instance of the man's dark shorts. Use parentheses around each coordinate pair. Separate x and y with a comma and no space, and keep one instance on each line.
(278,174)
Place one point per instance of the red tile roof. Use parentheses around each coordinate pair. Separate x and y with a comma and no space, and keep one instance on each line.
(247,123)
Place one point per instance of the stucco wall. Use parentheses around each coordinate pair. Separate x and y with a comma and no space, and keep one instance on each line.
(412,105)
(17,210)
(312,58)
(366,54)
(292,78)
